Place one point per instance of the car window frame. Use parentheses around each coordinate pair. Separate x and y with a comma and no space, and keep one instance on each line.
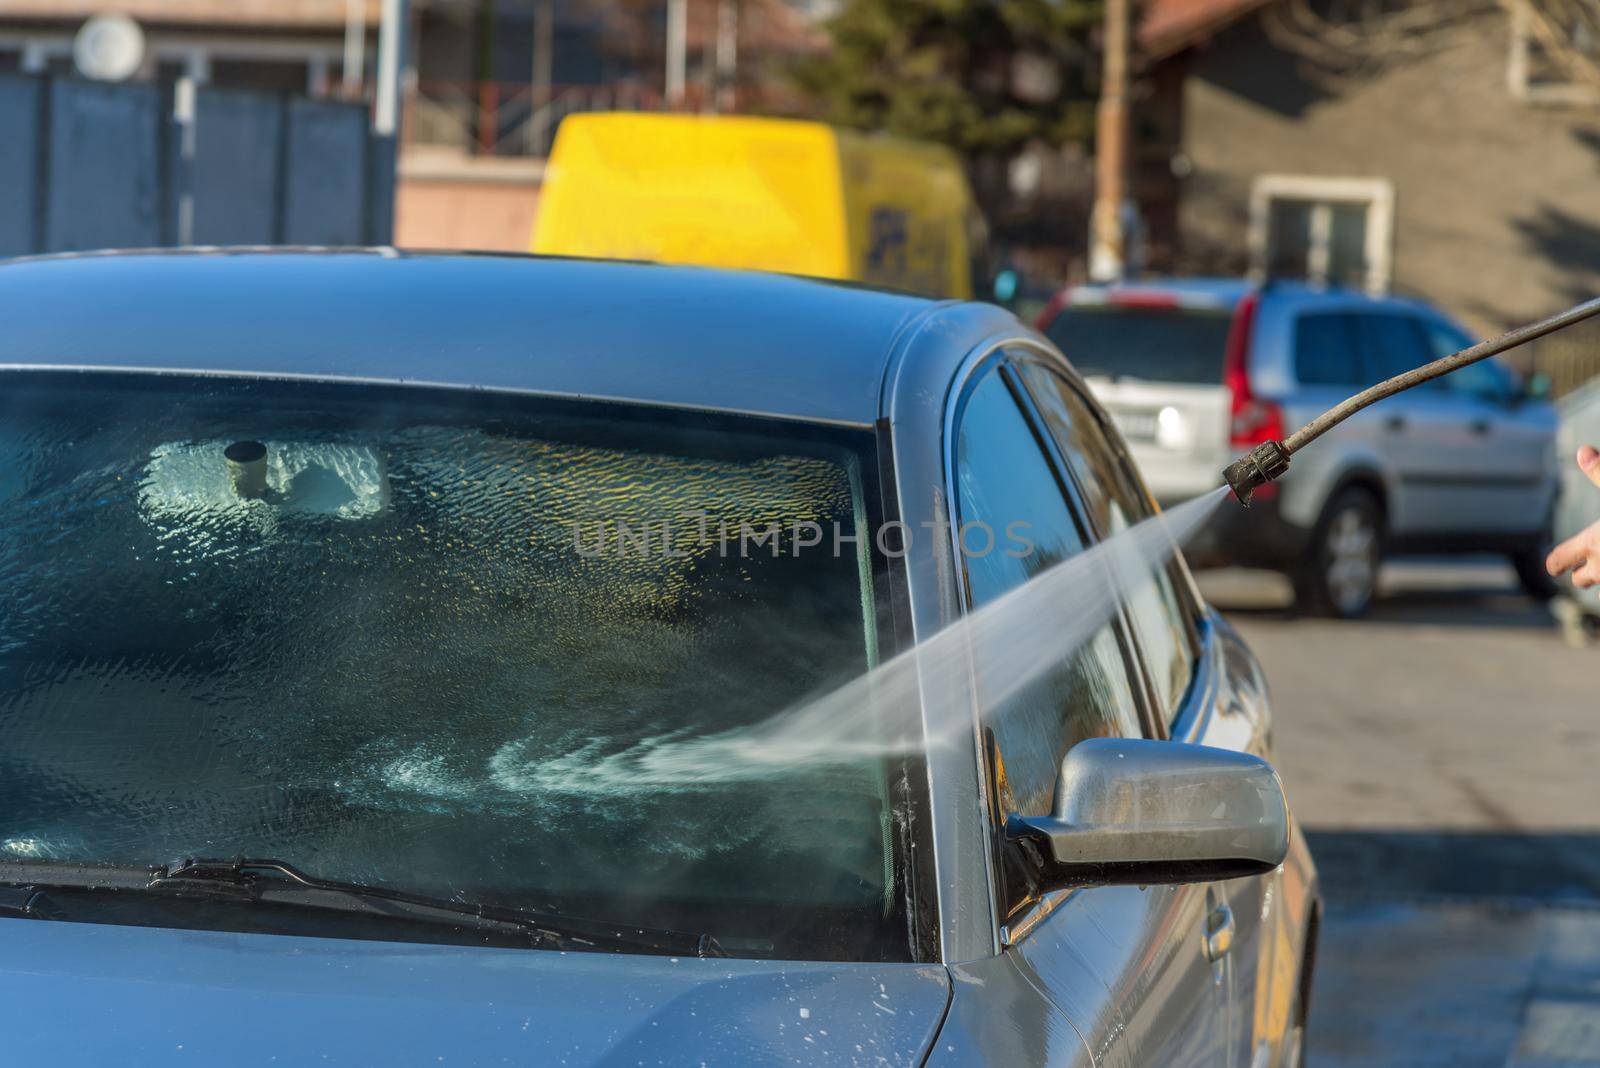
(1072,499)
(1011,920)
(1191,605)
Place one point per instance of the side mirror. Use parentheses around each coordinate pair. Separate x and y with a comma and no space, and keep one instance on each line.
(1151,812)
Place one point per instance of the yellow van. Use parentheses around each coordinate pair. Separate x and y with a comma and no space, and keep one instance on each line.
(764,194)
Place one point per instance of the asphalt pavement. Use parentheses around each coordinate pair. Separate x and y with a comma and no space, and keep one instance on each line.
(1444,757)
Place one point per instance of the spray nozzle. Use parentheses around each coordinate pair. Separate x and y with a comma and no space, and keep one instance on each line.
(1255,468)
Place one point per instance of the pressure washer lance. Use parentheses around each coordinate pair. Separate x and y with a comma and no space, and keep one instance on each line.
(1270,459)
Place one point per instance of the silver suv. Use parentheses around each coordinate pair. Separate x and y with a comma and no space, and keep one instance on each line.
(1196,371)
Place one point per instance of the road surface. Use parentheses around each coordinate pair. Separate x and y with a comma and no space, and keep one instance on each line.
(1444,757)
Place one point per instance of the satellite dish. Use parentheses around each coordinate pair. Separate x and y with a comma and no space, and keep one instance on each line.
(109,48)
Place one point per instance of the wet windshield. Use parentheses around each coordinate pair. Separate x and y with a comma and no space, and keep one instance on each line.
(430,640)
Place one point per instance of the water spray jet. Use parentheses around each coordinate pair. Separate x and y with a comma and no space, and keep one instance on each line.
(1270,459)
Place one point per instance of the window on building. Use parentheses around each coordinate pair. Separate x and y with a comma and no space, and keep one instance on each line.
(1330,231)
(1551,44)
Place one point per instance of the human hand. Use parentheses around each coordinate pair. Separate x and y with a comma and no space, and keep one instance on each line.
(1582,550)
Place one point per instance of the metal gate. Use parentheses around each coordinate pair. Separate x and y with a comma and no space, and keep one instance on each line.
(87,165)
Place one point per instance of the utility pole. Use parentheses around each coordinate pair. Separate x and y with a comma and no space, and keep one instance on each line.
(544,29)
(355,47)
(1108,237)
(383,161)
(391,67)
(727,54)
(677,50)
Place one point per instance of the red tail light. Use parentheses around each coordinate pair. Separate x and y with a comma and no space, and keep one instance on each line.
(1252,420)
(1047,316)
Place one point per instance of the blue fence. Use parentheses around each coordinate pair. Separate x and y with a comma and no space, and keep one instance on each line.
(87,165)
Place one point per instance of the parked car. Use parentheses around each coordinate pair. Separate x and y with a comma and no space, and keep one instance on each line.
(346,714)
(810,199)
(1197,371)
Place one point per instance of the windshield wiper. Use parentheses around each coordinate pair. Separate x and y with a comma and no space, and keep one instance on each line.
(253,879)
(24,900)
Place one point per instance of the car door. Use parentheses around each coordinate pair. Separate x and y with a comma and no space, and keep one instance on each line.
(1166,618)
(1126,965)
(1514,481)
(1437,444)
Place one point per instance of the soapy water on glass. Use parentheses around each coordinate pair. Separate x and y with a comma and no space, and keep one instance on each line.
(374,685)
(1010,642)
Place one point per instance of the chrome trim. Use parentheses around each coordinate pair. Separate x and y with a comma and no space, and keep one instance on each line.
(420,383)
(1013,933)
(981,360)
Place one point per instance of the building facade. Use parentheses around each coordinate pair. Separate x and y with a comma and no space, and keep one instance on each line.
(1454,155)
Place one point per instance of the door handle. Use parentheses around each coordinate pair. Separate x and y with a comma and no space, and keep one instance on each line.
(1396,423)
(1219,933)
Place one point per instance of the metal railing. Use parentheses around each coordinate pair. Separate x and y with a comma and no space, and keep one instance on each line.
(506,119)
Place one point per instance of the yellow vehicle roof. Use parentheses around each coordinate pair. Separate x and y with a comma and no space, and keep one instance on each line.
(762,194)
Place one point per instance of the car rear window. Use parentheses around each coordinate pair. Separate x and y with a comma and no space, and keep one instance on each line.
(1158,344)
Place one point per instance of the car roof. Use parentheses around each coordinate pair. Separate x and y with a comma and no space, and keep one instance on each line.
(735,341)
(1212,292)
(1224,293)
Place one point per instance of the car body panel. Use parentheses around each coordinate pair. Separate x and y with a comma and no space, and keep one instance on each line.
(146,995)
(1110,976)
(614,331)
(1000,1014)
(924,374)
(1126,963)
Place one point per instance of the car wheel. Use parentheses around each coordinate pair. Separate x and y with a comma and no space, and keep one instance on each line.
(1339,574)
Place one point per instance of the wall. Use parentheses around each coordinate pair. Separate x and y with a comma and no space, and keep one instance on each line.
(465,202)
(88,165)
(1497,201)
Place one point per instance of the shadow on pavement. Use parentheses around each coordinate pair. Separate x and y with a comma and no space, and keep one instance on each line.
(1473,950)
(1544,868)
(1416,592)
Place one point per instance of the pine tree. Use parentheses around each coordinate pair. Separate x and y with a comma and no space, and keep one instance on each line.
(964,73)
(984,77)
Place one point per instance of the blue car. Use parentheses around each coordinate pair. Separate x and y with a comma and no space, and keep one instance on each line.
(1196,371)
(413,659)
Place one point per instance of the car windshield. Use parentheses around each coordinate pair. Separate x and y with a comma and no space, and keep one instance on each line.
(1184,345)
(451,642)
